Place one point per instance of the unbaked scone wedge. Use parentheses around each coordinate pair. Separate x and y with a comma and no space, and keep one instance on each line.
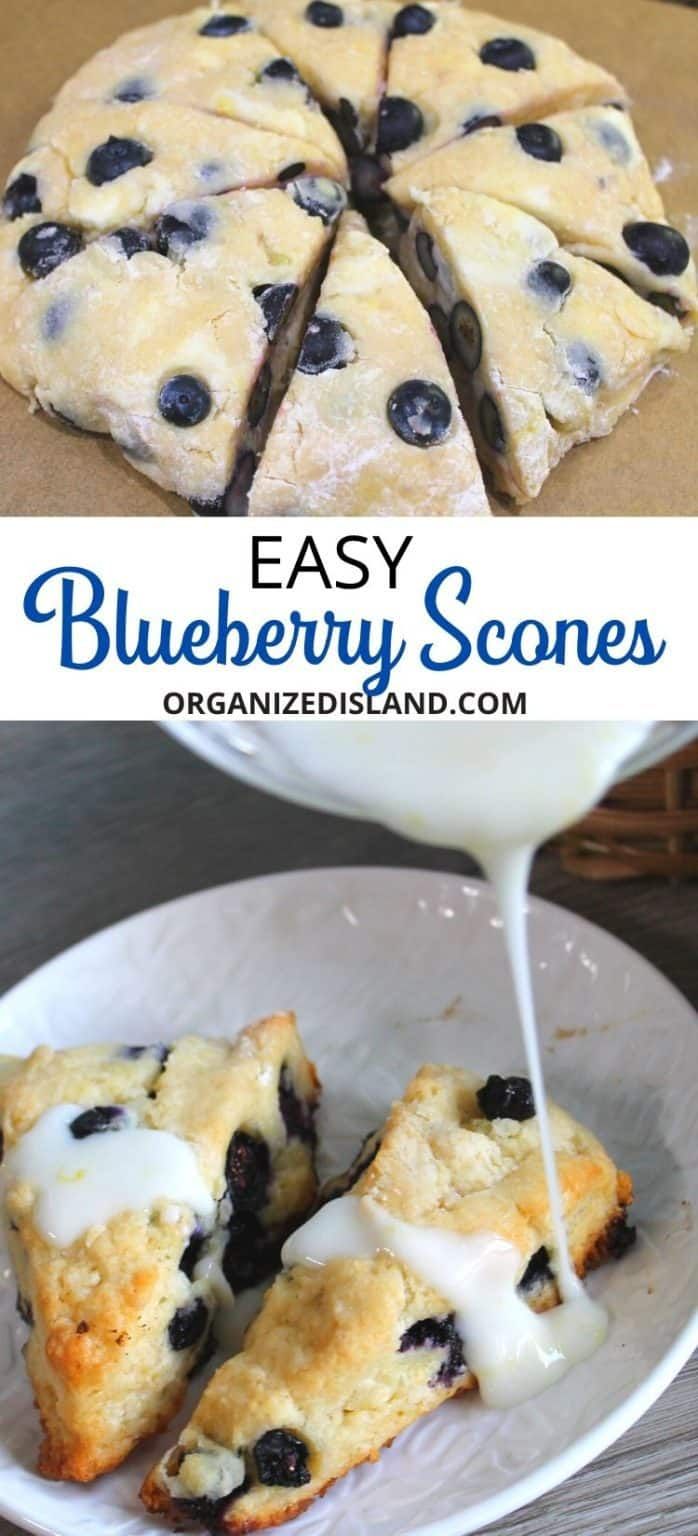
(370,425)
(346,1354)
(124,1167)
(584,174)
(100,166)
(456,71)
(176,341)
(550,349)
(340,50)
(216,60)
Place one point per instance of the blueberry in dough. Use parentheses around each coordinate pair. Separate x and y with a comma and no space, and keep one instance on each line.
(480,120)
(345,121)
(438,1333)
(367,179)
(326,345)
(440,322)
(424,250)
(549,280)
(175,232)
(318,196)
(275,301)
(280,69)
(184,400)
(22,196)
(296,1113)
(508,53)
(247,1171)
(400,123)
(506,1098)
(224,25)
(94,1122)
(466,335)
(114,158)
(491,424)
(420,413)
(413,21)
(46,246)
(537,1271)
(132,241)
(250,1253)
(321,14)
(291,172)
(281,1459)
(188,1324)
(540,141)
(585,367)
(658,246)
(55,319)
(133,90)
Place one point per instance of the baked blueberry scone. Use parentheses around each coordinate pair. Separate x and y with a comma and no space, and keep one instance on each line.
(175,340)
(345,1355)
(453,71)
(370,424)
(140,1182)
(583,174)
(550,348)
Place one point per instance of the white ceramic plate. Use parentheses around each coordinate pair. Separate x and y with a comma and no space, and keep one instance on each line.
(387,969)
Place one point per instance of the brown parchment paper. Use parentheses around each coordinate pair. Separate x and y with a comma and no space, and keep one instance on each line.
(646,467)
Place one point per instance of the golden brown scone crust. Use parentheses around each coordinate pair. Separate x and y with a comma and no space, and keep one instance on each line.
(98,1353)
(323,1359)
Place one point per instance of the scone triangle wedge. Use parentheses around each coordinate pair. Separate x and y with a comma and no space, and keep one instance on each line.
(345,1355)
(452,71)
(583,174)
(176,339)
(370,424)
(550,349)
(165,1175)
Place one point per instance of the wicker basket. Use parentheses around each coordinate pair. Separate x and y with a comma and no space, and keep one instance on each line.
(646,826)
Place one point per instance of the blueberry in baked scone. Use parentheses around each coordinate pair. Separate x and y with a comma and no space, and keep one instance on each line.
(346,1354)
(370,423)
(102,165)
(469,70)
(584,174)
(217,61)
(175,340)
(141,1183)
(341,51)
(549,348)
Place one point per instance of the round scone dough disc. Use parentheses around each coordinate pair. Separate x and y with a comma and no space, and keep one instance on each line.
(470,70)
(217,61)
(370,424)
(584,174)
(552,349)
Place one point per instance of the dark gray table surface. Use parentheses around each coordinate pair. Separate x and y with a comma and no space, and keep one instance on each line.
(98,822)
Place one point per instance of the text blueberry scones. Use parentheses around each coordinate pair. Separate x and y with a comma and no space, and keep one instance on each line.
(346,1355)
(130,302)
(173,1176)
